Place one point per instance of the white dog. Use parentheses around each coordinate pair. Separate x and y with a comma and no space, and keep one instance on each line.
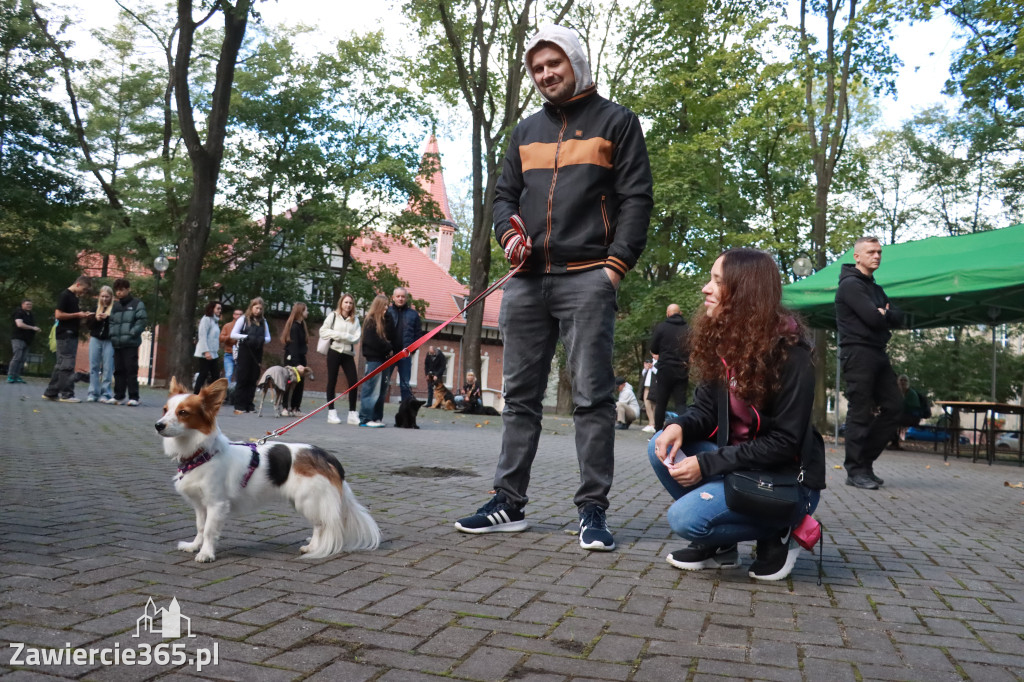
(220,478)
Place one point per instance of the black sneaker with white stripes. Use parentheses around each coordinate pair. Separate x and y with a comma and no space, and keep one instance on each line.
(497,516)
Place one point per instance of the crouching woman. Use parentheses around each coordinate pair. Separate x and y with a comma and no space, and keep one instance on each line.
(751,411)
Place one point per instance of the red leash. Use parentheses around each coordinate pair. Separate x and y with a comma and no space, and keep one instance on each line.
(405,352)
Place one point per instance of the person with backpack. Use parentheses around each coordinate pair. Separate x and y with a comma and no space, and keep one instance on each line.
(251,333)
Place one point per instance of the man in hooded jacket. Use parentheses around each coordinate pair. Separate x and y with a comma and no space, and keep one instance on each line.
(578,175)
(864,319)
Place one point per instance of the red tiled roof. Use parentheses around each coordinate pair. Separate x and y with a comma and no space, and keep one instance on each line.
(427,280)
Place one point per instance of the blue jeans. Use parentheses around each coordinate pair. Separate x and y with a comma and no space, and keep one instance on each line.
(700,515)
(373,394)
(229,368)
(535,312)
(101,368)
(404,371)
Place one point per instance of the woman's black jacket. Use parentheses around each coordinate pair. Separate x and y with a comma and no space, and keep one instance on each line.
(782,436)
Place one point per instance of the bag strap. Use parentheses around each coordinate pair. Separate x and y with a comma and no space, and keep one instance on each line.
(723,416)
(821,551)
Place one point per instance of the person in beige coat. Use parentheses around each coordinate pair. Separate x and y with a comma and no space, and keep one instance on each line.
(342,329)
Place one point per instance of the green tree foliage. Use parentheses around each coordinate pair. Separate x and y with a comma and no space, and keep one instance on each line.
(325,151)
(38,190)
(960,165)
(959,368)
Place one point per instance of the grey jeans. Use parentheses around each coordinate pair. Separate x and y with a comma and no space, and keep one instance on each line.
(20,349)
(535,312)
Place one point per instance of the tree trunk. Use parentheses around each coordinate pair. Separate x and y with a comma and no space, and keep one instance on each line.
(206,160)
(479,253)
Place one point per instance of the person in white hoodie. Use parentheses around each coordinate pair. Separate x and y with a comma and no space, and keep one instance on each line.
(627,407)
(343,330)
(577,175)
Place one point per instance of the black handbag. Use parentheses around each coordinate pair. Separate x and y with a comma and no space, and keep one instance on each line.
(771,495)
(768,494)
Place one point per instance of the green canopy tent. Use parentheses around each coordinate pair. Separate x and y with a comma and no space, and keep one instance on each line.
(938,282)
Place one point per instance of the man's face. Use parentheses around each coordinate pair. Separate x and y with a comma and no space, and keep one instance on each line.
(121,293)
(26,305)
(399,297)
(868,256)
(236,314)
(553,74)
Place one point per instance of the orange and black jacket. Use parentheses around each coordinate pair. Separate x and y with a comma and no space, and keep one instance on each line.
(579,176)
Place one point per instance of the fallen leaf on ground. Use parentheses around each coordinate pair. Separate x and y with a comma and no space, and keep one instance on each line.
(928,467)
(479,426)
(1018,484)
(838,466)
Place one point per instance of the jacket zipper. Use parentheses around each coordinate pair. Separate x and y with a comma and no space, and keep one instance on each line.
(551,195)
(607,223)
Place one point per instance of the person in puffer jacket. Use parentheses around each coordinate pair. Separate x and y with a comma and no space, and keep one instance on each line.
(127,322)
(577,175)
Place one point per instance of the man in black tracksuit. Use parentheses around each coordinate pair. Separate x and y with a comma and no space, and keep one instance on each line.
(864,318)
(670,344)
(578,175)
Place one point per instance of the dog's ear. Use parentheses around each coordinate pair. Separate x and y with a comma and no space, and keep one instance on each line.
(177,388)
(213,395)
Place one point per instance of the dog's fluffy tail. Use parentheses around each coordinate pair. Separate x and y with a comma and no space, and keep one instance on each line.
(340,523)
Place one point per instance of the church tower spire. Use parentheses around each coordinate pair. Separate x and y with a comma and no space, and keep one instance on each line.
(440,250)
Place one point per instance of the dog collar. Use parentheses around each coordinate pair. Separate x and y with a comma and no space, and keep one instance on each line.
(198,458)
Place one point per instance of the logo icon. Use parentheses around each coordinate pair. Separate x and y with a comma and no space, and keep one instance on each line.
(164,622)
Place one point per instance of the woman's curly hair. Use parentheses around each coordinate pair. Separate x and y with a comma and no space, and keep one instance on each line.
(751,330)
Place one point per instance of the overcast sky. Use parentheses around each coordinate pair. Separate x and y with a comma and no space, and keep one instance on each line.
(926,51)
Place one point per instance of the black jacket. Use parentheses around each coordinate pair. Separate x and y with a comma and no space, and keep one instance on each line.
(858,299)
(297,345)
(670,341)
(782,437)
(579,176)
(375,348)
(407,325)
(435,364)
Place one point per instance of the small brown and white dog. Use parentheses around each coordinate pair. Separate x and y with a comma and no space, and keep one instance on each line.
(443,398)
(219,478)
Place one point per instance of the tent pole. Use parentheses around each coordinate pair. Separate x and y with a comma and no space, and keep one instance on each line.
(837,391)
(993,363)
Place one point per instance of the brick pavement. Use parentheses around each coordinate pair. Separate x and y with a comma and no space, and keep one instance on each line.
(924,579)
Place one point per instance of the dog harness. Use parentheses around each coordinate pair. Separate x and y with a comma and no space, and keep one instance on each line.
(254,462)
(200,457)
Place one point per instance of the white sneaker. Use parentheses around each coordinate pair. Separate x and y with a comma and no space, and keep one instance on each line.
(353,418)
(332,417)
(648,429)
(91,399)
(375,425)
(132,403)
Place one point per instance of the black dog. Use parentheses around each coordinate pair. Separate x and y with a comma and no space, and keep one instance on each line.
(407,409)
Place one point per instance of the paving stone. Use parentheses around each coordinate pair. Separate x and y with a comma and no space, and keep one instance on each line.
(911,592)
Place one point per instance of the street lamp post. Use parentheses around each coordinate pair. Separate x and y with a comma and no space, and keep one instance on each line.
(160,265)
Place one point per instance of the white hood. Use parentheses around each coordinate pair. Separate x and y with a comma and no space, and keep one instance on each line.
(570,44)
